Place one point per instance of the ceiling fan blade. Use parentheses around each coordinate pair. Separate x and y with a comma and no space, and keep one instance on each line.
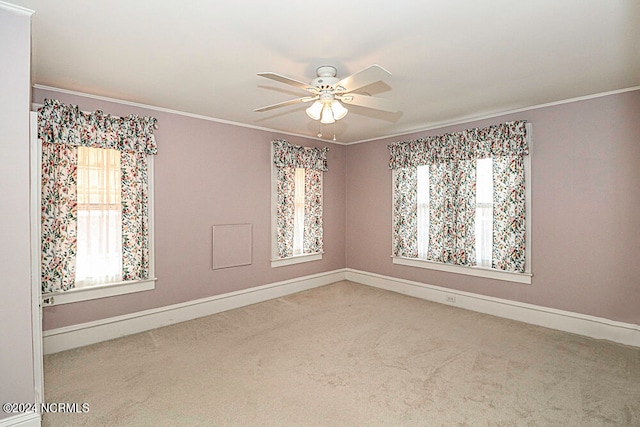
(285,80)
(371,74)
(285,103)
(368,102)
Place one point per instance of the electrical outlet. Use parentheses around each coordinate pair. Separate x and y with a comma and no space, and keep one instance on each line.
(450,298)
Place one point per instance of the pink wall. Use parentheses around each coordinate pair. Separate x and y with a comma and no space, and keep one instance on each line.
(206,174)
(585,234)
(585,210)
(16,352)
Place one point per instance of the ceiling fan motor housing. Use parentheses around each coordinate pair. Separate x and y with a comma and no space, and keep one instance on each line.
(326,77)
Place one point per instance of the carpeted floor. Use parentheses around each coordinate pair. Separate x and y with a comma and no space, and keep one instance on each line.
(348,355)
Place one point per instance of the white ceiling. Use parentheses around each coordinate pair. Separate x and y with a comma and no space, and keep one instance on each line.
(450,60)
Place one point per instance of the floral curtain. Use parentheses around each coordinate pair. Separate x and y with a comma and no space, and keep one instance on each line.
(135,215)
(452,208)
(66,124)
(61,128)
(59,217)
(508,214)
(285,210)
(286,154)
(287,157)
(312,211)
(506,139)
(405,212)
(452,173)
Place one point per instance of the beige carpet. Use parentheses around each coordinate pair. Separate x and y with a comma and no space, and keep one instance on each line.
(348,355)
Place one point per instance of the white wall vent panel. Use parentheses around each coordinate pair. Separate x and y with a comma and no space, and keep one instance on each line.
(232,245)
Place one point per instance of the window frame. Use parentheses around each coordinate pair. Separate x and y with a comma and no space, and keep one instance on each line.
(276,261)
(484,272)
(102,290)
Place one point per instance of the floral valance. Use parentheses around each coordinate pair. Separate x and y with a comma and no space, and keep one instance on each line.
(288,155)
(62,124)
(506,139)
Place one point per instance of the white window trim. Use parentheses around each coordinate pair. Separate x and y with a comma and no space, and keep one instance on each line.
(276,261)
(296,259)
(98,291)
(107,289)
(490,273)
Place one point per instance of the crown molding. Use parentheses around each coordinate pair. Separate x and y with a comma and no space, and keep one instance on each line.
(176,112)
(439,125)
(469,119)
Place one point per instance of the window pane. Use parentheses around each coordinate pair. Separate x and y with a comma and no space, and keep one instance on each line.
(484,212)
(423,211)
(99,250)
(98,176)
(298,224)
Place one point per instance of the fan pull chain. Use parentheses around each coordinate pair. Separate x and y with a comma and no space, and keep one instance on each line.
(334,131)
(319,130)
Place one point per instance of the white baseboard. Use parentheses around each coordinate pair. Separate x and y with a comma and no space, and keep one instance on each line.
(74,336)
(581,324)
(30,419)
(66,338)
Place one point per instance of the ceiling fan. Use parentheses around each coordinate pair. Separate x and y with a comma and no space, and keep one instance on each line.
(328,92)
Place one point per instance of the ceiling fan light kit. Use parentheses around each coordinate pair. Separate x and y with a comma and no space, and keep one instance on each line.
(327,92)
(338,110)
(315,111)
(327,115)
(327,112)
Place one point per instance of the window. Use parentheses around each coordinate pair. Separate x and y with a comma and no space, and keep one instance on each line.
(423,211)
(99,229)
(96,204)
(460,202)
(298,225)
(297,219)
(484,212)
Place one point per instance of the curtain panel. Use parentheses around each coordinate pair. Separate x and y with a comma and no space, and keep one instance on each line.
(452,209)
(451,159)
(287,157)
(285,210)
(405,212)
(509,224)
(62,128)
(135,215)
(59,216)
(312,241)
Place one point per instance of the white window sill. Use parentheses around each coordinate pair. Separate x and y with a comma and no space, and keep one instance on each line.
(296,259)
(97,291)
(488,273)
